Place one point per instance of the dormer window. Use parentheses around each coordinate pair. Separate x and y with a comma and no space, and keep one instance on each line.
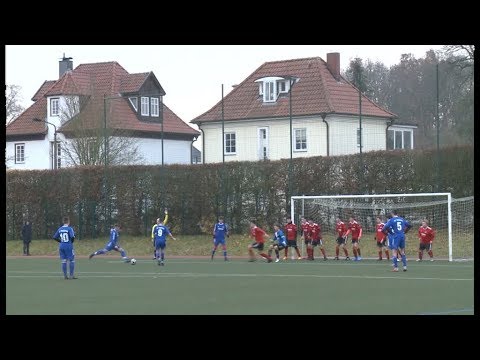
(134,102)
(271,87)
(145,106)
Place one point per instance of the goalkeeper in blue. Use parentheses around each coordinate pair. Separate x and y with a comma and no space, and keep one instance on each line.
(160,232)
(112,244)
(220,231)
(399,227)
(65,237)
(279,242)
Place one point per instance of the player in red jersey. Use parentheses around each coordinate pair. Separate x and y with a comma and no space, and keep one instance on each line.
(426,235)
(307,237)
(290,230)
(341,230)
(316,237)
(259,235)
(381,239)
(356,230)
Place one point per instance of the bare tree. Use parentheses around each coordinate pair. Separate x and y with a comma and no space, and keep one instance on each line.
(12,102)
(87,138)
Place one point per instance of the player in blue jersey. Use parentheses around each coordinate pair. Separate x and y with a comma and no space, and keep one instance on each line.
(220,231)
(399,227)
(112,244)
(160,232)
(65,236)
(279,242)
(153,227)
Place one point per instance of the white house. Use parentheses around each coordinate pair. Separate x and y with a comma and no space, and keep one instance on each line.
(97,96)
(297,108)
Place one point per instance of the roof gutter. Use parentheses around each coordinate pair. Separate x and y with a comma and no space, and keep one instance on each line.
(203,143)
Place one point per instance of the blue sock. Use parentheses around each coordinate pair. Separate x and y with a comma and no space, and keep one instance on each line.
(98,252)
(64,268)
(225,253)
(162,255)
(395,261)
(404,260)
(213,252)
(72,267)
(123,253)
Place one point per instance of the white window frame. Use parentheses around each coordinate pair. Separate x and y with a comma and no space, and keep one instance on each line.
(284,83)
(261,154)
(363,137)
(20,153)
(295,136)
(404,134)
(145,106)
(270,83)
(155,105)
(228,147)
(55,107)
(134,101)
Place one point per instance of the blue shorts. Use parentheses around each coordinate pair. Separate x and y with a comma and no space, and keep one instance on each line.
(397,243)
(217,242)
(160,244)
(110,246)
(66,252)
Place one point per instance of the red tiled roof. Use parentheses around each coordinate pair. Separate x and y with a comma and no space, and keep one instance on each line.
(315,92)
(96,80)
(43,89)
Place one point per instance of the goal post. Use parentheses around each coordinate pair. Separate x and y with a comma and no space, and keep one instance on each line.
(452,219)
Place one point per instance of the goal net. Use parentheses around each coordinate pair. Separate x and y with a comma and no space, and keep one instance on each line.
(452,220)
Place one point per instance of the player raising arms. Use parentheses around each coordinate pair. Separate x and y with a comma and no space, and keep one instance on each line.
(279,242)
(426,235)
(153,227)
(341,230)
(400,227)
(381,239)
(290,230)
(220,230)
(259,235)
(316,237)
(160,233)
(355,228)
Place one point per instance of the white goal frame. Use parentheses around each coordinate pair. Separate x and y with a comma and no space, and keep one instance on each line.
(447,194)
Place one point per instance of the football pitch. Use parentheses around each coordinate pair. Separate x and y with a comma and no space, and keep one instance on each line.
(188,286)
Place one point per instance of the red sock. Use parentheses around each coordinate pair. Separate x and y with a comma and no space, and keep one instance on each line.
(388,254)
(380,254)
(420,255)
(345,251)
(354,252)
(337,250)
(323,252)
(358,252)
(430,252)
(286,252)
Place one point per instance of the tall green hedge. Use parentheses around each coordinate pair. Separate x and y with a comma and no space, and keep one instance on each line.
(134,196)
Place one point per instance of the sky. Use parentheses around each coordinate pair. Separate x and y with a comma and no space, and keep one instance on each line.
(191,75)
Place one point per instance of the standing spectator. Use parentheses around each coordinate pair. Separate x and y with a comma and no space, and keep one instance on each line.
(153,227)
(259,235)
(26,237)
(65,237)
(426,235)
(220,231)
(355,228)
(316,237)
(112,245)
(291,235)
(381,239)
(341,230)
(279,242)
(399,226)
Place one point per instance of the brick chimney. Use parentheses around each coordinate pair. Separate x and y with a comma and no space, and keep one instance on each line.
(64,65)
(333,64)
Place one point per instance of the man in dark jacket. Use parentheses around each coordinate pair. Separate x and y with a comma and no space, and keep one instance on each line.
(26,237)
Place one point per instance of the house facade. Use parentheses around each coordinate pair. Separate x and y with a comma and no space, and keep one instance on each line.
(297,108)
(96,102)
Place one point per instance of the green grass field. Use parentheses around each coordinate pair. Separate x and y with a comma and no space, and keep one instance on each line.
(105,285)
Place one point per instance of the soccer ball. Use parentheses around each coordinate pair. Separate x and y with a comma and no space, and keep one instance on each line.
(133,261)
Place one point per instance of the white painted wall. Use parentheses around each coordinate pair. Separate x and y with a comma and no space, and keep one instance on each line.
(343,137)
(37,155)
